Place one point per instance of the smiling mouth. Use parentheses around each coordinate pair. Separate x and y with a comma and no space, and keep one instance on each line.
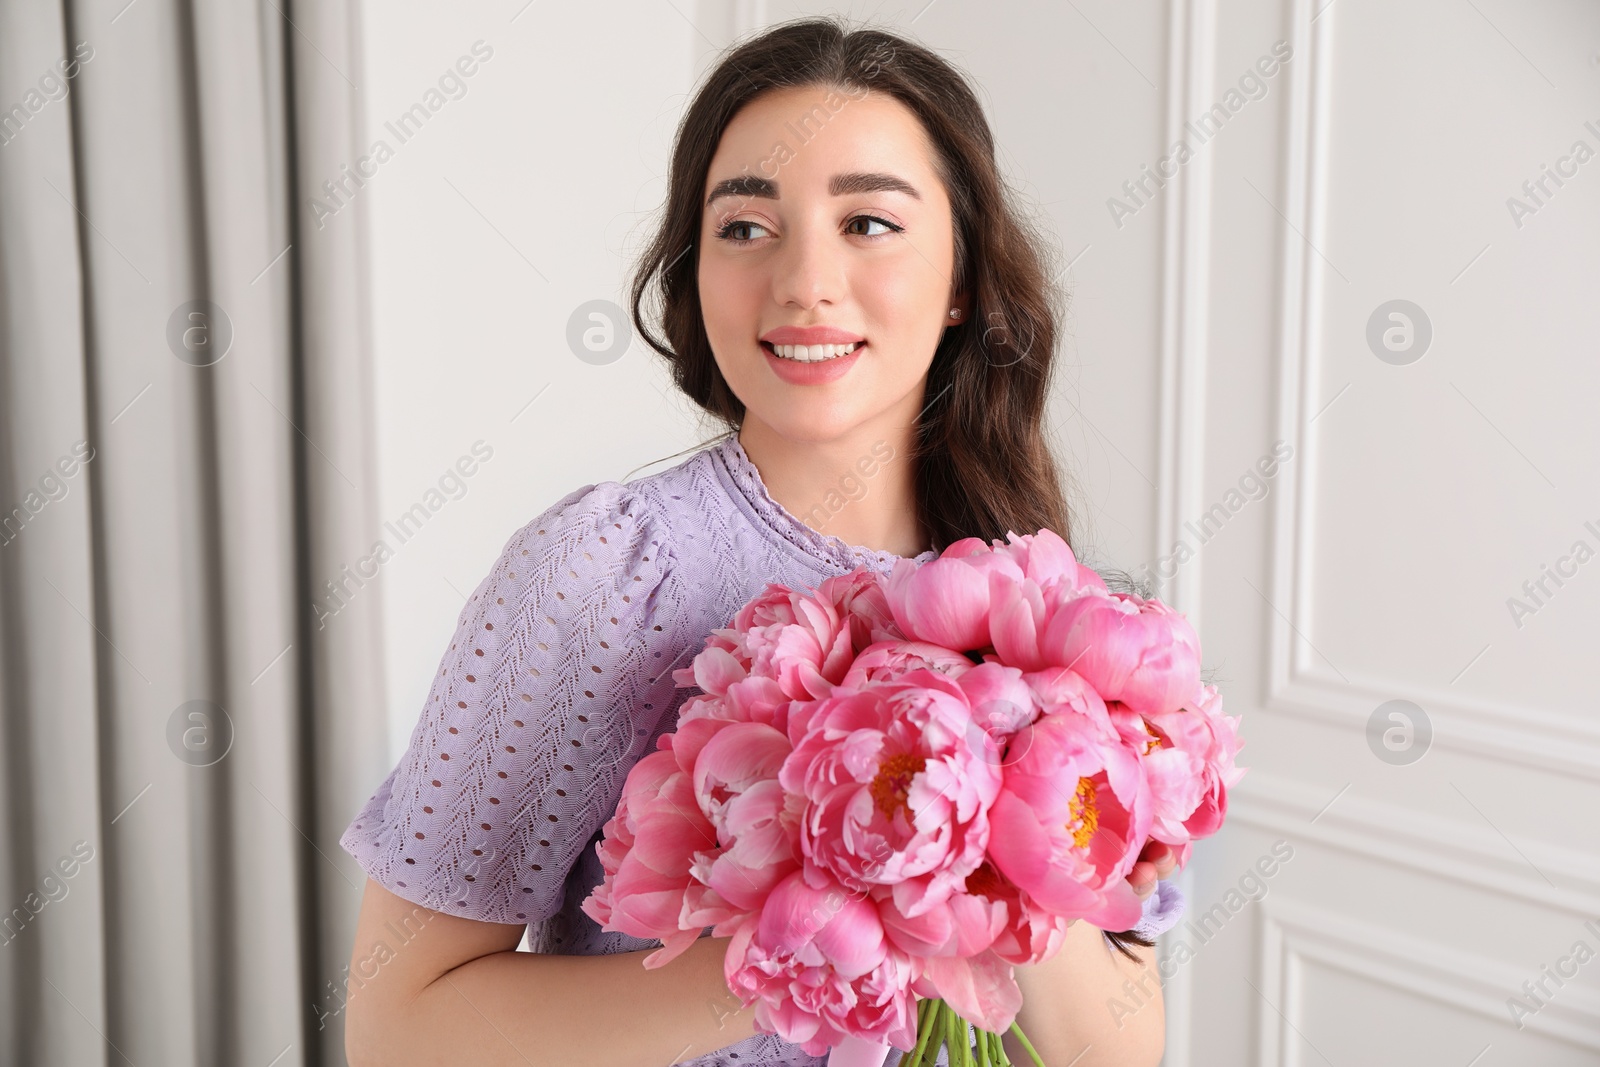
(811,353)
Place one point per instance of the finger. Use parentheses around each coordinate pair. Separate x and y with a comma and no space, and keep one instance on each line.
(1142,878)
(1162,855)
(1156,851)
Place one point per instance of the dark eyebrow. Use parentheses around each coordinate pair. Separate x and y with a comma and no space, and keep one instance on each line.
(751,186)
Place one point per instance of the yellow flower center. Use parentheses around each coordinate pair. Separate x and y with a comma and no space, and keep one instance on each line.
(1085,816)
(892,785)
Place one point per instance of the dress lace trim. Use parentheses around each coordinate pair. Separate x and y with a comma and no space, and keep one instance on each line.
(753,493)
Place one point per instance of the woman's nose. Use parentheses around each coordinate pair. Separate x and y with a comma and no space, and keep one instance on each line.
(808,269)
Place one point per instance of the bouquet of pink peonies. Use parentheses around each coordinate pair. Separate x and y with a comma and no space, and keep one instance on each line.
(891,791)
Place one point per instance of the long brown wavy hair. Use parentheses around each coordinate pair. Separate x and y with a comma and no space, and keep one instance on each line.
(983,465)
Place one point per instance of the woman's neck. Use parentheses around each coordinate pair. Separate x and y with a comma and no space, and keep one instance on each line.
(858,488)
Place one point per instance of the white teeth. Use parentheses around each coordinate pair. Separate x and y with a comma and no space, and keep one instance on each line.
(813,353)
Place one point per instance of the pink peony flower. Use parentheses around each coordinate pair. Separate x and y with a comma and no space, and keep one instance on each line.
(730,691)
(1140,652)
(952,942)
(859,598)
(736,783)
(818,967)
(1190,763)
(1044,558)
(1172,771)
(968,943)
(906,786)
(982,988)
(897,786)
(1070,819)
(1021,612)
(646,853)
(782,646)
(1031,934)
(1058,689)
(964,924)
(1002,703)
(946,600)
(885,660)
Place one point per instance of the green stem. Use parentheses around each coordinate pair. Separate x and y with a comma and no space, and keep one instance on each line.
(1026,1044)
(983,1049)
(929,1038)
(924,1029)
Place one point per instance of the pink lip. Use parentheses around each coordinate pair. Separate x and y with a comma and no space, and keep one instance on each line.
(810,335)
(829,370)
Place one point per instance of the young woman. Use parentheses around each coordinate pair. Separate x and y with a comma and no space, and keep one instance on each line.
(840,282)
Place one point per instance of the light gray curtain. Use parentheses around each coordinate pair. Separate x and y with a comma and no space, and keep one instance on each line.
(184,456)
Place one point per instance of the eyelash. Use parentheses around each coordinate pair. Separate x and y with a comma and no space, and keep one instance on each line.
(727,228)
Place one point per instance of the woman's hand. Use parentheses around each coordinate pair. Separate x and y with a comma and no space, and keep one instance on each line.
(1156,861)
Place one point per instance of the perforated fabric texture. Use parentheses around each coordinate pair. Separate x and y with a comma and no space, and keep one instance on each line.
(558,678)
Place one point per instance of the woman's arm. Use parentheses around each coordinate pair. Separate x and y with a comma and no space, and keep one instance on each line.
(1066,1006)
(1091,1005)
(446,990)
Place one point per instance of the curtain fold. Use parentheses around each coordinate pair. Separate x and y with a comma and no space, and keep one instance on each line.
(185,454)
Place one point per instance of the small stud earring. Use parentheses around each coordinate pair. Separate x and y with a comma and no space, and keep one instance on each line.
(955,313)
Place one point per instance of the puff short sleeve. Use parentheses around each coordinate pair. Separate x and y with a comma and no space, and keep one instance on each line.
(553,685)
(1162,910)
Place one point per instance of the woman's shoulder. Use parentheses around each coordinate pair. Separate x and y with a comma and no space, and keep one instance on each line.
(587,579)
(607,567)
(605,519)
(608,539)
(618,523)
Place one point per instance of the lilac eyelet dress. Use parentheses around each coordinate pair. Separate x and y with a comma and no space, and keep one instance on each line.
(559,678)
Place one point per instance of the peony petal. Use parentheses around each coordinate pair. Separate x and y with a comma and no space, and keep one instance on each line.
(1119,908)
(852,939)
(1016,614)
(715,670)
(671,948)
(1022,851)
(740,756)
(943,601)
(982,989)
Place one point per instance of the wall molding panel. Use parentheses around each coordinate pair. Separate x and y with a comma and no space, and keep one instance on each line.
(1185,265)
(1445,848)
(1295,684)
(1293,935)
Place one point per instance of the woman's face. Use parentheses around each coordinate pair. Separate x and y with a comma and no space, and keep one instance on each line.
(826,223)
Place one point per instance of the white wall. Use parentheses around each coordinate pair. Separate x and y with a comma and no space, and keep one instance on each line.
(512,205)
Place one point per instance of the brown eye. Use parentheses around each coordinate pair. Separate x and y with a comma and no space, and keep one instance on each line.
(890,227)
(726,233)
